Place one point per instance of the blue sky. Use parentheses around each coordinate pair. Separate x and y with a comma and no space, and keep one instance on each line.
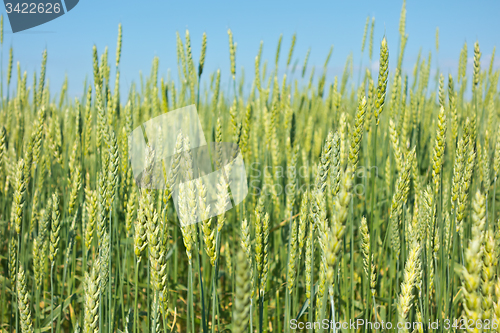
(149,28)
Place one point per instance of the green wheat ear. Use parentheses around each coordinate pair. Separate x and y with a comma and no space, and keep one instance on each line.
(439,147)
(42,76)
(91,300)
(412,272)
(488,274)
(383,74)
(157,253)
(337,228)
(462,63)
(206,226)
(3,146)
(306,59)
(368,262)
(441,91)
(364,34)
(119,45)
(140,236)
(23,302)
(278,50)
(437,39)
(471,272)
(232,53)
(357,134)
(370,46)
(76,181)
(1,29)
(9,66)
(477,65)
(18,203)
(203,53)
(55,229)
(402,20)
(241,307)
(290,52)
(247,248)
(496,161)
(38,261)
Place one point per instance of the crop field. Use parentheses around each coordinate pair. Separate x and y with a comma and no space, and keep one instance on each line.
(371,197)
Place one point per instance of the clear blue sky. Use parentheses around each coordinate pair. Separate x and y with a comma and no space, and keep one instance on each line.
(149,30)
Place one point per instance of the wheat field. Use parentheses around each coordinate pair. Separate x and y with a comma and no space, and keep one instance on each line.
(370,198)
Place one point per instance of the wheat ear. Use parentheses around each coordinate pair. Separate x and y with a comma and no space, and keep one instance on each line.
(241,312)
(23,302)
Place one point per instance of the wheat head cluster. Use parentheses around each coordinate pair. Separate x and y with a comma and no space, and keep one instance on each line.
(392,218)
